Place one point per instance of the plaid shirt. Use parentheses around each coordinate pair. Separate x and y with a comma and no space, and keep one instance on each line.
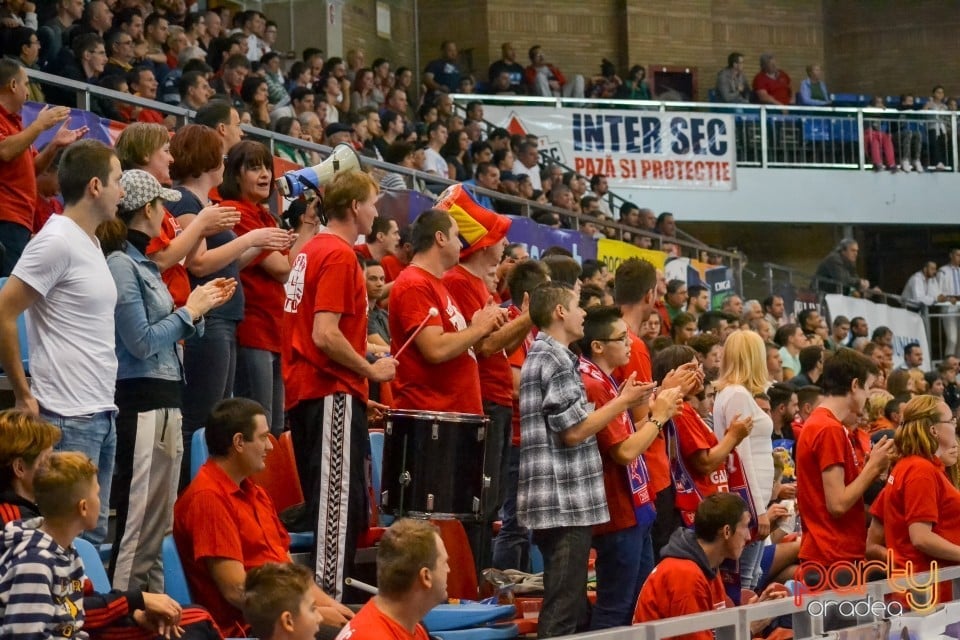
(560,485)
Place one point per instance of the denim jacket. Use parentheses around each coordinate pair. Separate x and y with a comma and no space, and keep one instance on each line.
(148,328)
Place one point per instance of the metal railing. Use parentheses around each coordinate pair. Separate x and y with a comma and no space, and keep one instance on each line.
(734,623)
(787,136)
(520,206)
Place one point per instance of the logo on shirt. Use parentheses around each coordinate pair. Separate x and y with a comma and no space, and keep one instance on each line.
(294,284)
(457,320)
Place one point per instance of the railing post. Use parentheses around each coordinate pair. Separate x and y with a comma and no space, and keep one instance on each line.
(861,150)
(953,142)
(769,269)
(764,147)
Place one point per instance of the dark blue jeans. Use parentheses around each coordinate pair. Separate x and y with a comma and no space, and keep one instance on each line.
(259,378)
(624,560)
(511,548)
(565,554)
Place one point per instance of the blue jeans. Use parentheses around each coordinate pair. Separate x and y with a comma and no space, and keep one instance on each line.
(96,436)
(209,366)
(624,560)
(259,378)
(750,565)
(511,548)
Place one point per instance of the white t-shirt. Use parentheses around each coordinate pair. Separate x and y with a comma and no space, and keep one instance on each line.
(434,163)
(521,169)
(70,329)
(756,450)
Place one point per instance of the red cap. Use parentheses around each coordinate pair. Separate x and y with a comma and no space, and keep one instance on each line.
(479,227)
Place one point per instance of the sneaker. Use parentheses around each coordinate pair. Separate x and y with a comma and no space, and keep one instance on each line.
(906,166)
(893,168)
(918,166)
(940,167)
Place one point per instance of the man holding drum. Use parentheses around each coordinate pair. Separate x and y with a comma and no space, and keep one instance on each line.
(326,376)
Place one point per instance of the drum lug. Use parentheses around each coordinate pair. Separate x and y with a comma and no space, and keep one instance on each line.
(435,432)
(481,433)
(486,482)
(429,502)
(385,497)
(405,479)
(388,426)
(476,504)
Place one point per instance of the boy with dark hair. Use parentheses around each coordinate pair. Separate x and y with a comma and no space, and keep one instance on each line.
(833,471)
(278,602)
(624,546)
(559,460)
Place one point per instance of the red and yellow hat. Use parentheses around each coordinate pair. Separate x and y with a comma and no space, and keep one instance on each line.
(479,227)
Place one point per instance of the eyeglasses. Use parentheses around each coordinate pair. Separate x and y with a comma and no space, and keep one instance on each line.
(952,421)
(625,338)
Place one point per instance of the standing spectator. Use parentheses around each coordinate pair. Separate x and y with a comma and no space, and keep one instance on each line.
(19,161)
(148,330)
(743,375)
(924,286)
(382,80)
(635,87)
(443,74)
(771,85)
(437,138)
(194,90)
(908,137)
(334,68)
(276,92)
(949,276)
(507,64)
(937,144)
(23,45)
(732,85)
(54,34)
(64,285)
(119,46)
(813,90)
(544,79)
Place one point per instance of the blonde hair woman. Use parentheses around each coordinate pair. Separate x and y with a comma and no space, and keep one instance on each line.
(918,512)
(743,375)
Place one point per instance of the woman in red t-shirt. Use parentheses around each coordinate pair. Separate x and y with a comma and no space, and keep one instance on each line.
(247,185)
(918,511)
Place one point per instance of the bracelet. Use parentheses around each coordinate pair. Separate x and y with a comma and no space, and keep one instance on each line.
(658,424)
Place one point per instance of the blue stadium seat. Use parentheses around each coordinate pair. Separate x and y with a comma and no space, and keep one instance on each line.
(174,577)
(198,451)
(92,565)
(848,100)
(816,130)
(713,95)
(22,336)
(845,130)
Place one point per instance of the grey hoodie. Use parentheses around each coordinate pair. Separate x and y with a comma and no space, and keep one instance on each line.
(41,584)
(683,545)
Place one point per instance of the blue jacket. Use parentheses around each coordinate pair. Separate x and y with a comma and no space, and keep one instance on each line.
(148,328)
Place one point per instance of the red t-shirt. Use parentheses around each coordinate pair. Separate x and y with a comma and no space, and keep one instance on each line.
(619,499)
(658,464)
(326,277)
(471,295)
(391,267)
(175,277)
(263,295)
(363,251)
(18,178)
(678,587)
(778,88)
(215,518)
(46,207)
(825,442)
(694,435)
(516,360)
(453,385)
(371,623)
(917,490)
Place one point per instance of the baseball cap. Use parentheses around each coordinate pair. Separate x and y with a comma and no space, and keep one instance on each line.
(141,188)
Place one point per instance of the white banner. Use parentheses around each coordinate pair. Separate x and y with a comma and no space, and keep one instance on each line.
(676,150)
(907,326)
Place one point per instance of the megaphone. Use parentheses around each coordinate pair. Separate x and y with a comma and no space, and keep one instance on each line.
(293,184)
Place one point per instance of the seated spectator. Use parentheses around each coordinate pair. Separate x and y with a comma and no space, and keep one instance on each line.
(732,85)
(878,141)
(83,61)
(119,46)
(544,79)
(906,133)
(290,127)
(22,44)
(17,13)
(771,85)
(488,177)
(53,33)
(43,588)
(412,571)
(813,90)
(232,76)
(455,152)
(839,269)
(791,339)
(194,90)
(255,95)
(364,93)
(512,82)
(277,94)
(683,328)
(687,580)
(25,444)
(606,85)
(279,604)
(189,58)
(635,87)
(225,524)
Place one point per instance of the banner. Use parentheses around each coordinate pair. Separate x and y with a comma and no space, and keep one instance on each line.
(907,326)
(676,150)
(538,237)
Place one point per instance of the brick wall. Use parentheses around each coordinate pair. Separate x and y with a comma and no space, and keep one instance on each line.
(360,31)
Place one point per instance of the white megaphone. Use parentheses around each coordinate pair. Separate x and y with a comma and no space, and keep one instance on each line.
(293,184)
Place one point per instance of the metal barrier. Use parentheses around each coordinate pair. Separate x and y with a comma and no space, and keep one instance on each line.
(734,623)
(690,248)
(789,136)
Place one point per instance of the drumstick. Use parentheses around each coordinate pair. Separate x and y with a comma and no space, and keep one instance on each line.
(362,586)
(432,313)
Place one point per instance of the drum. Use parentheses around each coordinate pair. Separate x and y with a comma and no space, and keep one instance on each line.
(433,464)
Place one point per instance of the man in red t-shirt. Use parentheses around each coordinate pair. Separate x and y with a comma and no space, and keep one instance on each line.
(471,283)
(687,580)
(412,570)
(325,346)
(18,174)
(438,370)
(381,242)
(771,85)
(635,286)
(833,470)
(225,524)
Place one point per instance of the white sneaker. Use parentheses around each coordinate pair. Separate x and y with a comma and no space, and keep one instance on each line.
(941,167)
(918,166)
(905,165)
